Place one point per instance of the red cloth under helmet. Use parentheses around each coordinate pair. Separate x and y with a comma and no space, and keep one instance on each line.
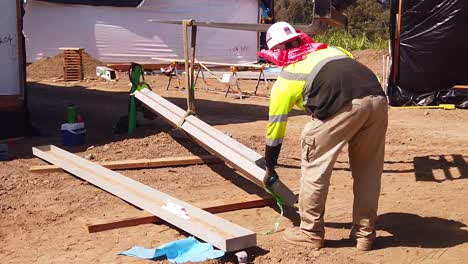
(285,57)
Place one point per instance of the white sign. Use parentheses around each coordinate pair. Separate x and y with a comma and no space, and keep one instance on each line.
(9,59)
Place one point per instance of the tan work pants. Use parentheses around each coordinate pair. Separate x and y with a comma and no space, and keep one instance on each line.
(363,124)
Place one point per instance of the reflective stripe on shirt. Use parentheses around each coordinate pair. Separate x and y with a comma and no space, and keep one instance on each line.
(278,118)
(274,143)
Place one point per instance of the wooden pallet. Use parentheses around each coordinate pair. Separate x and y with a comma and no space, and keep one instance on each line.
(72,64)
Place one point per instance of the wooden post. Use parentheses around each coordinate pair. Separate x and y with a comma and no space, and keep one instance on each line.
(191,91)
(185,25)
(396,53)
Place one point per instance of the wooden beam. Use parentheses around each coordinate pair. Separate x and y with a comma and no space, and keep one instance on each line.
(226,148)
(138,164)
(314,28)
(11,140)
(214,230)
(213,206)
(396,52)
(11,103)
(125,66)
(247,65)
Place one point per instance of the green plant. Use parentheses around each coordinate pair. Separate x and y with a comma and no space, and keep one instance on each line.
(350,41)
(368,22)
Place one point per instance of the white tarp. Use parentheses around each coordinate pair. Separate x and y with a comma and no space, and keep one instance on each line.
(113,34)
(9,59)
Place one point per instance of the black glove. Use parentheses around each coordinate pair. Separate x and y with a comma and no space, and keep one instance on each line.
(271,155)
(271,158)
(270,177)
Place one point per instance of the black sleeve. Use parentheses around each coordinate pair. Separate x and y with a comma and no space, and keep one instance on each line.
(271,155)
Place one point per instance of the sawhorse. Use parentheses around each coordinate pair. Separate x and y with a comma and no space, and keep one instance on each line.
(228,81)
(262,74)
(171,74)
(200,69)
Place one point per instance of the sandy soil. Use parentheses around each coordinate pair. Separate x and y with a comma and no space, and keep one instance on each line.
(422,214)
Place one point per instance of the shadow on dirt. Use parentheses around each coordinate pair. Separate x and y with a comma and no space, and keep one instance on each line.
(410,230)
(452,167)
(101,111)
(424,167)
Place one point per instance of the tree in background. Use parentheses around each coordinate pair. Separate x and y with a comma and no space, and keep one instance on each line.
(293,11)
(368,21)
(368,16)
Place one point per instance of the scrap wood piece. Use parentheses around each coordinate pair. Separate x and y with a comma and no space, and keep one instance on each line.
(139,163)
(206,226)
(216,142)
(213,206)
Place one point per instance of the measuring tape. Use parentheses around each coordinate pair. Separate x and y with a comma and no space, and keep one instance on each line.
(280,203)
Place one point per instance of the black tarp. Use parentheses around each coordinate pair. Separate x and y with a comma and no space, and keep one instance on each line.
(117,3)
(433,53)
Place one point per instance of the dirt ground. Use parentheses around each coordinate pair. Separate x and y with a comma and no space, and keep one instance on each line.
(423,214)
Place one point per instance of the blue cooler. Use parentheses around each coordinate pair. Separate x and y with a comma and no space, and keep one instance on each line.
(73,134)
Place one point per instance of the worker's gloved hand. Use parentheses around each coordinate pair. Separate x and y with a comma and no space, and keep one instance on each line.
(270,177)
(271,159)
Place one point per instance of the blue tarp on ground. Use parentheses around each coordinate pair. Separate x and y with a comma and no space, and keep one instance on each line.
(179,251)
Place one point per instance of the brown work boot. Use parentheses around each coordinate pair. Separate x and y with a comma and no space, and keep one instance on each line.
(300,237)
(363,243)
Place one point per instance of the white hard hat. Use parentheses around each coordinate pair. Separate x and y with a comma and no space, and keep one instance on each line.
(278,33)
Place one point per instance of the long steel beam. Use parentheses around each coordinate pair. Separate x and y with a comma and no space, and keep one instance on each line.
(208,227)
(226,148)
(314,28)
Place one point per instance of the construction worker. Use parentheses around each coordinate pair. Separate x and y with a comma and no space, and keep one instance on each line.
(347,105)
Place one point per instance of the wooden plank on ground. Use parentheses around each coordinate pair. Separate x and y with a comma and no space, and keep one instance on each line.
(210,228)
(139,163)
(94,225)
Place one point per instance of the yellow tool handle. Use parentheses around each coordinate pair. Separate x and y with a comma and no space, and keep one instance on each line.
(441,106)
